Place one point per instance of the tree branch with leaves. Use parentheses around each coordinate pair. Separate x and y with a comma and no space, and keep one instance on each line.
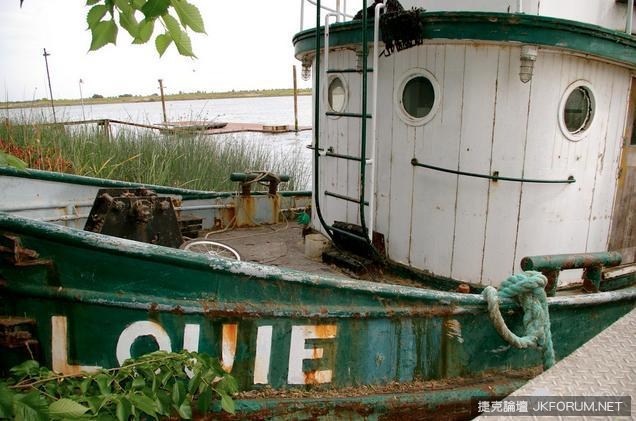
(139,18)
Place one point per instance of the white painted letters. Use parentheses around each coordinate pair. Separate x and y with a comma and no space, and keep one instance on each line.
(137,330)
(263,354)
(191,342)
(59,349)
(298,353)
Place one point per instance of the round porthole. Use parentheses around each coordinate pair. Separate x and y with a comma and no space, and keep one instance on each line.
(337,94)
(418,97)
(576,111)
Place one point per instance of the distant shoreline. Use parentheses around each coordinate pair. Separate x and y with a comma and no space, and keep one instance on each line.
(154,98)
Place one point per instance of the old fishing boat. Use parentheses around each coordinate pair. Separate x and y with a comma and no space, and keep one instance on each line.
(454,150)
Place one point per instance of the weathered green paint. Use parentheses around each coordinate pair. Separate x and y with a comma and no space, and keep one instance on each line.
(385,332)
(370,334)
(592,263)
(494,27)
(571,261)
(432,402)
(100,182)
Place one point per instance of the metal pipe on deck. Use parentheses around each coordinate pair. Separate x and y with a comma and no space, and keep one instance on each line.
(591,263)
(571,261)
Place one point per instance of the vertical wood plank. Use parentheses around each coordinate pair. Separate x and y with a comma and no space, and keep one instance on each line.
(438,144)
(474,156)
(508,146)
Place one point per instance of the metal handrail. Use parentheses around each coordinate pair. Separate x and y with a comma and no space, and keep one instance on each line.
(340,14)
(330,152)
(374,113)
(494,177)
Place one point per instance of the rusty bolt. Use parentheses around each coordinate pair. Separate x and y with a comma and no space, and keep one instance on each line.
(463,288)
(142,211)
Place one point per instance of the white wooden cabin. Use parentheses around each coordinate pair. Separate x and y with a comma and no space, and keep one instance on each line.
(544,97)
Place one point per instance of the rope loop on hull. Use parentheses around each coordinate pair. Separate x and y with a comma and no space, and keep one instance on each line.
(527,289)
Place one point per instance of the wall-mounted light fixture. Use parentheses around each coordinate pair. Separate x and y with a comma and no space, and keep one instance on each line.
(528,57)
(305,73)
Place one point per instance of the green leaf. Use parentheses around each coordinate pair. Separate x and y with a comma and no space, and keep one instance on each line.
(96,14)
(6,401)
(144,403)
(103,382)
(92,2)
(178,393)
(227,385)
(189,16)
(104,32)
(138,382)
(52,388)
(155,8)
(95,403)
(138,4)
(163,403)
(28,368)
(180,38)
(123,5)
(162,42)
(185,410)
(124,409)
(205,400)
(146,27)
(30,407)
(66,408)
(227,403)
(128,22)
(85,384)
(194,382)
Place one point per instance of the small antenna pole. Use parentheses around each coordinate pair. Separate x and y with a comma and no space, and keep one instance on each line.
(163,103)
(48,76)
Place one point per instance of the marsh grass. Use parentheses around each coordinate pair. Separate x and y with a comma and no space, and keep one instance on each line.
(191,161)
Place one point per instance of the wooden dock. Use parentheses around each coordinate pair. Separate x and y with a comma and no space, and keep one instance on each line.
(199,127)
(223,128)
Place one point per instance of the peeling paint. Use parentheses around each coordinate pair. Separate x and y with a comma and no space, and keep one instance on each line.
(454,330)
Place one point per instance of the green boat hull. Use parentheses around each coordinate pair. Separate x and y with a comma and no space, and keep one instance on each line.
(97,300)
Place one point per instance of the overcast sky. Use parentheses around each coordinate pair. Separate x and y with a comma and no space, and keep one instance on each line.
(248,46)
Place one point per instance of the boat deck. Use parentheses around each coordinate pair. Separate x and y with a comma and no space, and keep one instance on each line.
(276,245)
(283,245)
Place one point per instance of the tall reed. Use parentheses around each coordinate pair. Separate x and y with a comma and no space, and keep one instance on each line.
(181,160)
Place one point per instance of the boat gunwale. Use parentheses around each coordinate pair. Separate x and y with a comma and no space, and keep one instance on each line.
(454,301)
(188,194)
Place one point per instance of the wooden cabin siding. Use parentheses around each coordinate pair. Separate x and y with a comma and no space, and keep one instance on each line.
(488,120)
(571,218)
(623,229)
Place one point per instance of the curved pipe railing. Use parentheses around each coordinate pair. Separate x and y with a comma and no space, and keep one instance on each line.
(494,177)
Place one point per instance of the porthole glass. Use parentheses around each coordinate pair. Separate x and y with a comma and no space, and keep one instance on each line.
(417,97)
(336,95)
(577,110)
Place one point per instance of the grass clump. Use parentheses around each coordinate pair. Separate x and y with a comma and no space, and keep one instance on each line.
(181,160)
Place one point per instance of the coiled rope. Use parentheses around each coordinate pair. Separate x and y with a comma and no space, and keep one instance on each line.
(527,289)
